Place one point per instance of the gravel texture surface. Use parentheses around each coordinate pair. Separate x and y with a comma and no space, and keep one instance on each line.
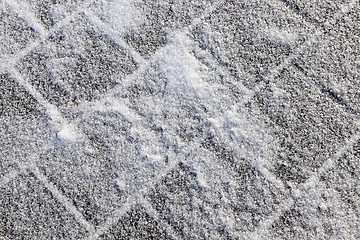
(179,119)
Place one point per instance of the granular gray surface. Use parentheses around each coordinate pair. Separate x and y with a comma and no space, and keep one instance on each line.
(179,119)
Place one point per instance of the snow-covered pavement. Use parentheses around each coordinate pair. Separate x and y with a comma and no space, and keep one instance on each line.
(179,119)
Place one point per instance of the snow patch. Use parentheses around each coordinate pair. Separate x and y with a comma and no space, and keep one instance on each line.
(122,15)
(339,88)
(67,134)
(277,37)
(182,70)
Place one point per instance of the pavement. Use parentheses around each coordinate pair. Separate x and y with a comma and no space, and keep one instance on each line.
(177,119)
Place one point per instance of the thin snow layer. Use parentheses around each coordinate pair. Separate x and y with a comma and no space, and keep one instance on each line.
(123,15)
(120,15)
(277,37)
(172,127)
(183,72)
(67,134)
(187,84)
(130,121)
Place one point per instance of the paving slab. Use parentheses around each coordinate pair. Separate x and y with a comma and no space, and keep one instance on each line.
(159,20)
(309,126)
(136,224)
(16,33)
(76,63)
(329,210)
(28,210)
(23,121)
(333,63)
(251,38)
(49,12)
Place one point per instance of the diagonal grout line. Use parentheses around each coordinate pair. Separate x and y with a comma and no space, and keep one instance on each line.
(8,177)
(52,111)
(113,35)
(10,61)
(131,201)
(208,60)
(340,103)
(311,182)
(263,228)
(155,215)
(261,231)
(113,219)
(22,9)
(57,194)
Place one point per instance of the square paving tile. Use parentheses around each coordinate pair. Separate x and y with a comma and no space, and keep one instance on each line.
(251,42)
(330,210)
(77,63)
(28,210)
(136,224)
(51,12)
(333,63)
(15,31)
(308,127)
(160,19)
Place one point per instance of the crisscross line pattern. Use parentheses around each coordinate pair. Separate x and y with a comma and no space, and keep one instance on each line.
(230,119)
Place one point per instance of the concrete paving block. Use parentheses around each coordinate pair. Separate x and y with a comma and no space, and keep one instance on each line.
(49,12)
(16,33)
(333,63)
(28,210)
(158,20)
(251,38)
(136,224)
(309,126)
(77,63)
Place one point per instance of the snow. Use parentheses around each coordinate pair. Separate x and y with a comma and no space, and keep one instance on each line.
(123,15)
(67,134)
(149,119)
(277,37)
